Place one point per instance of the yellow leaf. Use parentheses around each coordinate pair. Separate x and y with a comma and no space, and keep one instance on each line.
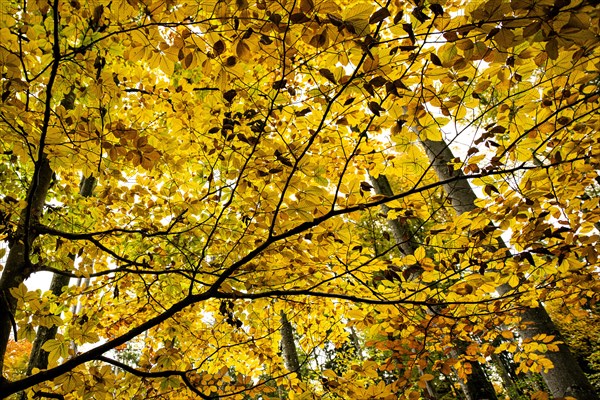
(513,281)
(166,64)
(329,373)
(377,197)
(420,253)
(22,294)
(505,38)
(136,53)
(539,395)
(427,377)
(243,51)
(358,16)
(56,349)
(68,381)
(355,314)
(507,334)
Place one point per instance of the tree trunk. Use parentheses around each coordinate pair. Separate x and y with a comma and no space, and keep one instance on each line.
(566,378)
(288,346)
(18,265)
(477,386)
(402,235)
(508,381)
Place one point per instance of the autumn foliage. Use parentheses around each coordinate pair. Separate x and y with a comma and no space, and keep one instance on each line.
(198,174)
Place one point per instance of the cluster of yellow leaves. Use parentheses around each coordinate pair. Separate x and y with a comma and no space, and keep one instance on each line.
(16,358)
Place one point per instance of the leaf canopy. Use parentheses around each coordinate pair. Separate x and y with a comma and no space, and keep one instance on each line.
(230,142)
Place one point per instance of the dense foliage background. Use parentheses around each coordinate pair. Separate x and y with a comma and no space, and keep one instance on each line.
(300,199)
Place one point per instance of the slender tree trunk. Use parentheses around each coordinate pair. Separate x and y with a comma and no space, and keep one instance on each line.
(403,237)
(566,378)
(18,265)
(477,385)
(356,343)
(507,380)
(288,346)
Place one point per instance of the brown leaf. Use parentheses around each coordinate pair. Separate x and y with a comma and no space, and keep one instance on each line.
(391,89)
(187,61)
(437,10)
(335,20)
(248,33)
(488,189)
(242,138)
(307,5)
(390,275)
(299,18)
(497,129)
(229,95)
(243,50)
(378,81)
(435,60)
(366,186)
(375,108)
(400,85)
(279,84)
(379,15)
(472,151)
(327,74)
(451,36)
(407,48)
(284,160)
(411,35)
(397,128)
(302,112)
(265,40)
(419,14)
(230,61)
(98,11)
(398,17)
(492,33)
(275,18)
(552,49)
(319,40)
(219,47)
(342,121)
(532,29)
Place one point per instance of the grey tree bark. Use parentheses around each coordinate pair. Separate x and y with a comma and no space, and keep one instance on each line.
(508,381)
(477,385)
(566,378)
(288,346)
